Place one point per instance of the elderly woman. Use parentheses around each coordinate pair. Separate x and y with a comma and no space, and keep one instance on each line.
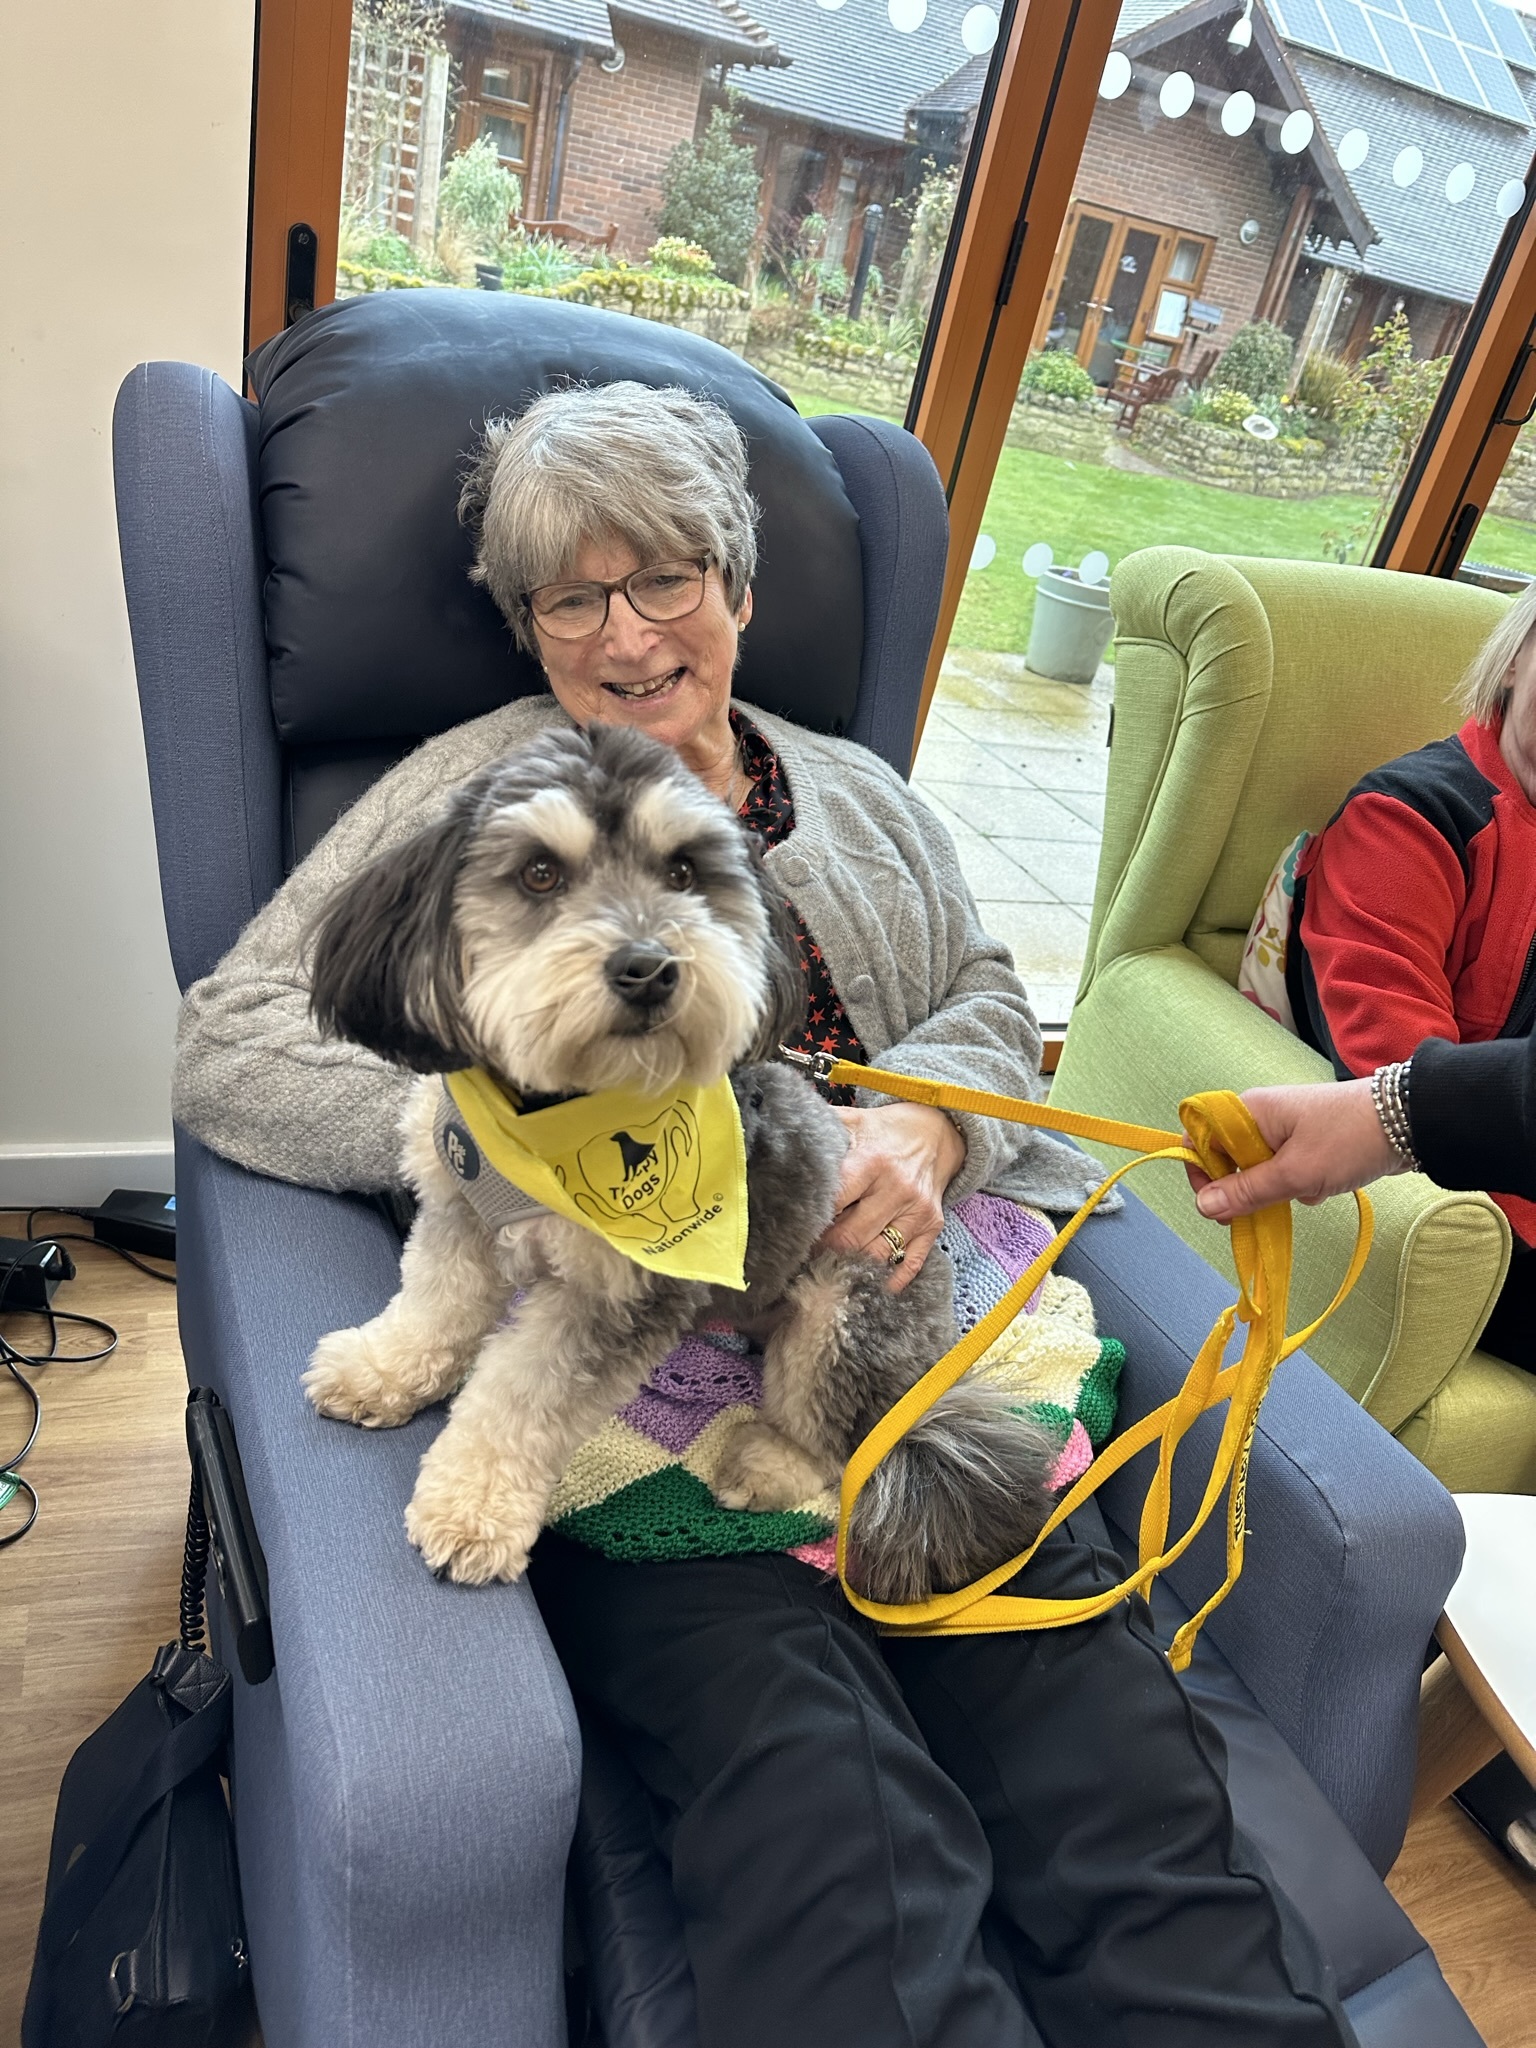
(970,1842)
(1416,912)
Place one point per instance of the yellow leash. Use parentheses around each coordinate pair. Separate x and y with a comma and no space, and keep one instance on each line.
(1219,1136)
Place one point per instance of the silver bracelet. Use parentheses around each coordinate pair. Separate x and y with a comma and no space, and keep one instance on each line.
(1389,1092)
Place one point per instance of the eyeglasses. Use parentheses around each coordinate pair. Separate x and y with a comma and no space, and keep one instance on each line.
(663,591)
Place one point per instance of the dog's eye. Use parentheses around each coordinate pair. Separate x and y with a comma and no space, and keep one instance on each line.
(680,873)
(541,875)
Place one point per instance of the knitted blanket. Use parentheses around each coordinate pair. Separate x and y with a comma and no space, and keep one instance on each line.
(640,1490)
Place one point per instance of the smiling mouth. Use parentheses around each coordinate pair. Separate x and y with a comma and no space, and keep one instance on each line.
(652,686)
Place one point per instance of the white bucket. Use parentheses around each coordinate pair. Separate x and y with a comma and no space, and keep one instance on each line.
(1072,627)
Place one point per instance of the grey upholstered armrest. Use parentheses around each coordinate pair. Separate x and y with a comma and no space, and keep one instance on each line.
(1352,1544)
(406,1784)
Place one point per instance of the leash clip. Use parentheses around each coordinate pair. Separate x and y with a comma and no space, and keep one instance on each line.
(817,1064)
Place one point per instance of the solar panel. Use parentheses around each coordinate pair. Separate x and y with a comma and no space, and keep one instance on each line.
(1467,22)
(1509,34)
(1305,22)
(1451,68)
(1403,53)
(1460,49)
(1500,90)
(1355,38)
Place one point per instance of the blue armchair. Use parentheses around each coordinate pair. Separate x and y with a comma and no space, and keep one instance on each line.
(409,1784)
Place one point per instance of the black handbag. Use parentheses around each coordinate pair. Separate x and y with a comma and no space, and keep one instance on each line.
(142,1937)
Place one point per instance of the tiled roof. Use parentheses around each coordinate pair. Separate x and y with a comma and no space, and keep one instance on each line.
(583,22)
(958,93)
(1424,242)
(728,28)
(849,68)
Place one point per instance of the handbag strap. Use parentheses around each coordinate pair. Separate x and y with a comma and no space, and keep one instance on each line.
(1220,1136)
(183,1751)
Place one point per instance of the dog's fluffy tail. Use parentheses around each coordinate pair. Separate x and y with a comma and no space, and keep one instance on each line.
(964,1490)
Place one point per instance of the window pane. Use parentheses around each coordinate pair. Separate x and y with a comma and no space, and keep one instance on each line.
(778,175)
(1270,253)
(510,138)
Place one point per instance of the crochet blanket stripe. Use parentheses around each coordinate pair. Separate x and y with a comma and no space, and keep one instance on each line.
(641,1489)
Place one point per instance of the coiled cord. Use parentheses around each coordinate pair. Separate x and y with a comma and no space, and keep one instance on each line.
(194,1576)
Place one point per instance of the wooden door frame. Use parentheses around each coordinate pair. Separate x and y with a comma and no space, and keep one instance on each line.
(298,134)
(1169,238)
(1488,391)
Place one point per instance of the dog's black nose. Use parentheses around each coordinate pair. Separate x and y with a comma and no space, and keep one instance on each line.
(643,973)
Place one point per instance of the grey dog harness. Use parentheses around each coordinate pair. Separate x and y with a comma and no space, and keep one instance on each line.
(496,1200)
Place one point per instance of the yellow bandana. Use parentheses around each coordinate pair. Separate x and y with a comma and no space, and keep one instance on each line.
(663,1179)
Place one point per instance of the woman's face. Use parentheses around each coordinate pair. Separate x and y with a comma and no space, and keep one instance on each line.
(1517,740)
(670,679)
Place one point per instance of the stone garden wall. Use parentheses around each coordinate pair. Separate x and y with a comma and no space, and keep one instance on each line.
(880,386)
(1514,495)
(1234,461)
(1077,429)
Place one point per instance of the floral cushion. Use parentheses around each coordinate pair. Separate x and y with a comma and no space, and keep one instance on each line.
(1261,977)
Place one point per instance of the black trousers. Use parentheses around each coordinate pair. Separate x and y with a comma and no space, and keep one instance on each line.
(963,1842)
(1510,1332)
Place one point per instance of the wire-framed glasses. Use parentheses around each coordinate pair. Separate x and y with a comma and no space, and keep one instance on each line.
(658,592)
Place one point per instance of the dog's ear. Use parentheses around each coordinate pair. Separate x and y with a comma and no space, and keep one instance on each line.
(385,952)
(785,1010)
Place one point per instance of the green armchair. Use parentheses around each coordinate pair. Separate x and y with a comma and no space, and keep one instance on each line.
(1249,697)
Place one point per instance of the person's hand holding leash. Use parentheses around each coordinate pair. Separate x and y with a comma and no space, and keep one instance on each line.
(901,1158)
(1326,1138)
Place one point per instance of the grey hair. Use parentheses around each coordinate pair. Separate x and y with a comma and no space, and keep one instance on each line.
(663,471)
(1482,690)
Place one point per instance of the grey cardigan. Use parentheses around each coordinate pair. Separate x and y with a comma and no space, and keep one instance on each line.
(872,871)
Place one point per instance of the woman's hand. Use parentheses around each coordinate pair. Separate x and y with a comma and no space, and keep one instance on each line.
(1326,1139)
(901,1158)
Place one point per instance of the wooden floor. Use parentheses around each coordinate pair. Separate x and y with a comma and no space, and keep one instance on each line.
(87,1596)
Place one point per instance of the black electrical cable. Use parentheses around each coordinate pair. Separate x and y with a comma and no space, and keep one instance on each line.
(13,1359)
(79,1237)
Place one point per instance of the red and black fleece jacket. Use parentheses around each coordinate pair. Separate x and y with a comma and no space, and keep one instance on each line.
(1415,914)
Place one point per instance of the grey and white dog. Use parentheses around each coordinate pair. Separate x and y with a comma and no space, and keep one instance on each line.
(587,916)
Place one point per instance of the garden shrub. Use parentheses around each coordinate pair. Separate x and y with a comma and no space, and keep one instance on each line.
(1056,374)
(477,196)
(1226,408)
(624,290)
(674,257)
(386,252)
(534,263)
(1257,358)
(364,277)
(1325,385)
(710,196)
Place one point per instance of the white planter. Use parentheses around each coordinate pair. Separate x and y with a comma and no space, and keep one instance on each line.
(1072,627)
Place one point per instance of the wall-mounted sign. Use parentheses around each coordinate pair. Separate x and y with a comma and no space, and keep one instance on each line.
(1203,314)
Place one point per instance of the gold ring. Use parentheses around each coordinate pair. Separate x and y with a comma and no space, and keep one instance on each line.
(897,1243)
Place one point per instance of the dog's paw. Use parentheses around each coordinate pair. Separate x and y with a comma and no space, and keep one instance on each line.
(354,1377)
(763,1471)
(468,1519)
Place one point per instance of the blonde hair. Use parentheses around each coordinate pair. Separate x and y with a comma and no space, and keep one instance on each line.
(1482,690)
(661,470)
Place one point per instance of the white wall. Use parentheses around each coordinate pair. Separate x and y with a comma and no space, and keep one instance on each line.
(124,161)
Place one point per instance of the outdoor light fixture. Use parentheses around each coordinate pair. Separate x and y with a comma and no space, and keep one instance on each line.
(1249,233)
(1240,35)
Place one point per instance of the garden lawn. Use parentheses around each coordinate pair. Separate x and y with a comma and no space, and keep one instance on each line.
(1076,507)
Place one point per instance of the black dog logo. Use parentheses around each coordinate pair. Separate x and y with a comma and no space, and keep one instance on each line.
(636,1156)
(658,1176)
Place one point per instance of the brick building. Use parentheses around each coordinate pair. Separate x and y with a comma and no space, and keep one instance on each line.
(1213,188)
(587,101)
(1309,162)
